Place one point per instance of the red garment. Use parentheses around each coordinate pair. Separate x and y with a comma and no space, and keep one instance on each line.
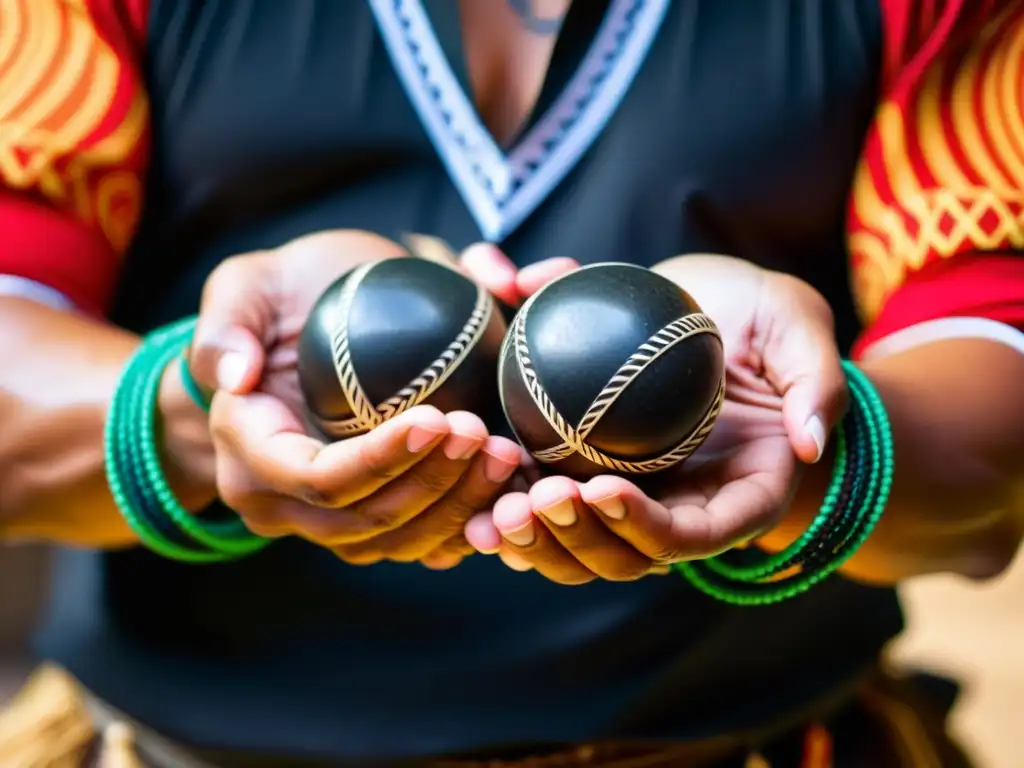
(937,205)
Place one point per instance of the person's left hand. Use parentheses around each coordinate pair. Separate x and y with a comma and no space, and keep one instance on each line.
(785,390)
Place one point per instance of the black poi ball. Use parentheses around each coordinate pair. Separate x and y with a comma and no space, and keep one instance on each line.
(611,369)
(396,333)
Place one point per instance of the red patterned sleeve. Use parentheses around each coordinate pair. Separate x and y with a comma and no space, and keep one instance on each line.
(74,125)
(936,214)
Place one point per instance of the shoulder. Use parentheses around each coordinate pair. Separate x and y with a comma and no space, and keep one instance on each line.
(74,127)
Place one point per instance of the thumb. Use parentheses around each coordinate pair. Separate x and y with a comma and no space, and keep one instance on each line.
(534,277)
(488,266)
(235,322)
(802,362)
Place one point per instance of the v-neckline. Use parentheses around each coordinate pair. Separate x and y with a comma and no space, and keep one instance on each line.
(581,19)
(502,187)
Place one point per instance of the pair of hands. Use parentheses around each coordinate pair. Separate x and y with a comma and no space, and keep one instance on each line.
(403,492)
(433,488)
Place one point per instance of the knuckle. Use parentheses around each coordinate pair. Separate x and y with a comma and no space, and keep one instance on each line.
(379,517)
(224,275)
(308,493)
(456,511)
(239,497)
(222,430)
(376,461)
(664,554)
(434,483)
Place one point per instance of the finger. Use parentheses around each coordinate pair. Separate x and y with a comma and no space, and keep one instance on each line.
(442,561)
(802,362)
(557,504)
(487,265)
(236,320)
(739,511)
(447,517)
(528,538)
(534,277)
(513,560)
(458,545)
(366,553)
(274,454)
(531,470)
(404,498)
(633,516)
(448,555)
(360,556)
(482,534)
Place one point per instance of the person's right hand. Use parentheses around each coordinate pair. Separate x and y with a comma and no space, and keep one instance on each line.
(401,492)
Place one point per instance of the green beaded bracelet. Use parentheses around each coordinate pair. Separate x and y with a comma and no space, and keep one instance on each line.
(768,579)
(192,388)
(134,470)
(124,476)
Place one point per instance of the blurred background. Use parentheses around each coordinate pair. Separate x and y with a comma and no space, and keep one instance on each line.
(970,632)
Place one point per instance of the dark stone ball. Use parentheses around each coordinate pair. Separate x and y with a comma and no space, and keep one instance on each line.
(611,369)
(396,333)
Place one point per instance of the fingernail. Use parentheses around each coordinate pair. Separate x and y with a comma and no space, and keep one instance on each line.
(611,506)
(419,439)
(231,370)
(504,272)
(563,513)
(522,536)
(461,447)
(494,551)
(498,470)
(815,427)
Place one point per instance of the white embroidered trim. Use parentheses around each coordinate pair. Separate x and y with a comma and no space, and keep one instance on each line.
(501,190)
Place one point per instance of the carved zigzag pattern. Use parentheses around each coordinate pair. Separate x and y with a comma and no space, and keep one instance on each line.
(574,438)
(366,415)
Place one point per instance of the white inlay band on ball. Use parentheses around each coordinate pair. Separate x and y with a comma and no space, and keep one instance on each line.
(366,415)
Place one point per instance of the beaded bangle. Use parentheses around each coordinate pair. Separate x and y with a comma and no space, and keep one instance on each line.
(134,472)
(192,388)
(857,495)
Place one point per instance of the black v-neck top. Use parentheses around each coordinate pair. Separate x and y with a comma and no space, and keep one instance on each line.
(737,132)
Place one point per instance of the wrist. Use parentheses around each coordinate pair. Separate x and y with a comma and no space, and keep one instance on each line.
(812,487)
(186,448)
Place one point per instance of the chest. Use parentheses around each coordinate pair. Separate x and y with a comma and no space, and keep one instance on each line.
(661,126)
